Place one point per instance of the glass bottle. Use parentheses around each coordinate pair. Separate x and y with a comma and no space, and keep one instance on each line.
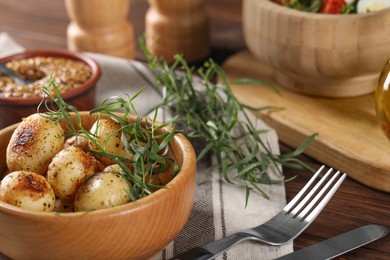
(382,99)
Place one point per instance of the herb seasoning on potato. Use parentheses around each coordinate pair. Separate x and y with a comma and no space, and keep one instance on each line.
(69,169)
(102,190)
(27,190)
(34,144)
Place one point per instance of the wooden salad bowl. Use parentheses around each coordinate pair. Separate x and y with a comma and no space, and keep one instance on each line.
(137,230)
(13,109)
(327,55)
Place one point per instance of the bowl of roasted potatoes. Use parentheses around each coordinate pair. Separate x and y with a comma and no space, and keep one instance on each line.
(92,184)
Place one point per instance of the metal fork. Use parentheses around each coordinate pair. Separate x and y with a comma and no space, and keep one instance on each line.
(291,221)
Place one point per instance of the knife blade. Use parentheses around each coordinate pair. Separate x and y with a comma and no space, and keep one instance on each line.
(340,244)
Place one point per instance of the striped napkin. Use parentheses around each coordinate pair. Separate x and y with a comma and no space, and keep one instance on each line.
(219,207)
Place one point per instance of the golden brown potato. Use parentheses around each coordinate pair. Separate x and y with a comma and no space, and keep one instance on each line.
(33,144)
(109,137)
(68,169)
(115,168)
(102,190)
(76,140)
(162,178)
(27,190)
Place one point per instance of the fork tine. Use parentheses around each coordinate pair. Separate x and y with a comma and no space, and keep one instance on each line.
(311,193)
(325,200)
(306,210)
(303,190)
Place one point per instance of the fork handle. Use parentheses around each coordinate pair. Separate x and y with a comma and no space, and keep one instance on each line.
(212,249)
(196,253)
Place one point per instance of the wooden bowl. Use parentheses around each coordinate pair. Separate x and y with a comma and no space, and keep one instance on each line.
(136,230)
(13,109)
(318,54)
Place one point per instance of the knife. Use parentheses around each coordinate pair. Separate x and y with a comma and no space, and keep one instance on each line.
(340,244)
(326,249)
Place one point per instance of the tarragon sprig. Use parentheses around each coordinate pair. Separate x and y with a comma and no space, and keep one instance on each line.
(211,115)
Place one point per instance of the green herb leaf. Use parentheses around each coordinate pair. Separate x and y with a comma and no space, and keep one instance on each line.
(209,114)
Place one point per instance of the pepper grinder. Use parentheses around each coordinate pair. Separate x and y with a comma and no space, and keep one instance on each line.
(100,26)
(177,27)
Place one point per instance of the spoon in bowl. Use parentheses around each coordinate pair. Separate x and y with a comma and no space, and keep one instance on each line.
(6,71)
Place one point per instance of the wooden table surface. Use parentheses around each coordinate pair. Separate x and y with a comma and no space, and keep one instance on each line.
(42,24)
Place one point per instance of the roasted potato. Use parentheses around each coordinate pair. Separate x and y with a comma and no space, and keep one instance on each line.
(33,144)
(161,179)
(68,169)
(115,168)
(76,140)
(109,137)
(27,190)
(102,190)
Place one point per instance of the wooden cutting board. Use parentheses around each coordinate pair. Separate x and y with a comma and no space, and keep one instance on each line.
(349,138)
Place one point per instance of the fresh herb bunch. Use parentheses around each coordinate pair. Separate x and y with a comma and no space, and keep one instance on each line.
(144,139)
(212,115)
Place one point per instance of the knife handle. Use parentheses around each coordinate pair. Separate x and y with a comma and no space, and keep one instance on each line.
(340,244)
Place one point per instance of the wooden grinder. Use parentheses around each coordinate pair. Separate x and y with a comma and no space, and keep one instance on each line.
(177,27)
(100,26)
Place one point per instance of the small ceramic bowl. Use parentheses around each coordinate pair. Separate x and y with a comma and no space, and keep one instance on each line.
(136,230)
(13,109)
(327,55)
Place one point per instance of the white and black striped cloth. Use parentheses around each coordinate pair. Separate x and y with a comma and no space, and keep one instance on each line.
(219,207)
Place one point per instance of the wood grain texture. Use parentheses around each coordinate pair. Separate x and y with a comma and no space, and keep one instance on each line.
(136,230)
(318,54)
(43,24)
(178,27)
(100,26)
(349,137)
